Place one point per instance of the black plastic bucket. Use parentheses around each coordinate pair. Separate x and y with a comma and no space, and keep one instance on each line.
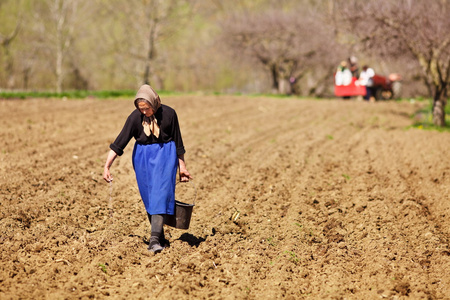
(181,219)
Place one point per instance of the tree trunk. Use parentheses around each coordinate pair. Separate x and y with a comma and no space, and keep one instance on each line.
(59,71)
(9,68)
(439,111)
(275,80)
(26,77)
(284,87)
(5,42)
(146,73)
(151,54)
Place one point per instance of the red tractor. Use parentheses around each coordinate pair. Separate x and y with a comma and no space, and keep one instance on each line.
(384,88)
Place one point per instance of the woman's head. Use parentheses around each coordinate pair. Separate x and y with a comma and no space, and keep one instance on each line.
(147,100)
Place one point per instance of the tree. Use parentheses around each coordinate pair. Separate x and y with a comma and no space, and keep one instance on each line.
(5,43)
(55,25)
(420,29)
(148,24)
(289,44)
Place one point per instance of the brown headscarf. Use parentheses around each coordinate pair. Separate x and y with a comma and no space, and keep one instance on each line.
(147,94)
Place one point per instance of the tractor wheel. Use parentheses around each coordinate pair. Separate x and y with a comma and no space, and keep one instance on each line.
(378,94)
(383,94)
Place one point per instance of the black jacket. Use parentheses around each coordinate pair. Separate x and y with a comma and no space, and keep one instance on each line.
(169,130)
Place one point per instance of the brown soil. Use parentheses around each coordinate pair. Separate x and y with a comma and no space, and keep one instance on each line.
(295,199)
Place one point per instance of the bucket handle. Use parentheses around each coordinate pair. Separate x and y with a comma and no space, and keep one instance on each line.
(195,189)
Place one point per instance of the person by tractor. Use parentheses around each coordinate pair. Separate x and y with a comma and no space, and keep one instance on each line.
(366,79)
(353,66)
(343,75)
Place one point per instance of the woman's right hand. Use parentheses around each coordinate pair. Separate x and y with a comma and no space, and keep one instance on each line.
(109,160)
(107,175)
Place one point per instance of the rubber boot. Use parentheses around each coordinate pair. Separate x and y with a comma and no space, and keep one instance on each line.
(154,245)
(159,225)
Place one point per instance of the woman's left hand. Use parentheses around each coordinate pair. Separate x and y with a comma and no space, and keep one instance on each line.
(185,175)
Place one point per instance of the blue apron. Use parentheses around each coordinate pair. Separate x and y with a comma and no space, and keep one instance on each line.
(156,166)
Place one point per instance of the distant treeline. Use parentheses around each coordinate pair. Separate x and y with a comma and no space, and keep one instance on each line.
(68,94)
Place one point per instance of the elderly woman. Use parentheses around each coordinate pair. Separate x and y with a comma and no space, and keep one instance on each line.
(157,154)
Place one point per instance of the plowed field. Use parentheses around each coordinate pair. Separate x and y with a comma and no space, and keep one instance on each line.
(294,199)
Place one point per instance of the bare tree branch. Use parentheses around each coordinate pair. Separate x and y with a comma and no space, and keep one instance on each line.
(420,29)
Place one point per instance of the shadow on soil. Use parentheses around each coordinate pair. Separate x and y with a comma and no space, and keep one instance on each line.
(192,240)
